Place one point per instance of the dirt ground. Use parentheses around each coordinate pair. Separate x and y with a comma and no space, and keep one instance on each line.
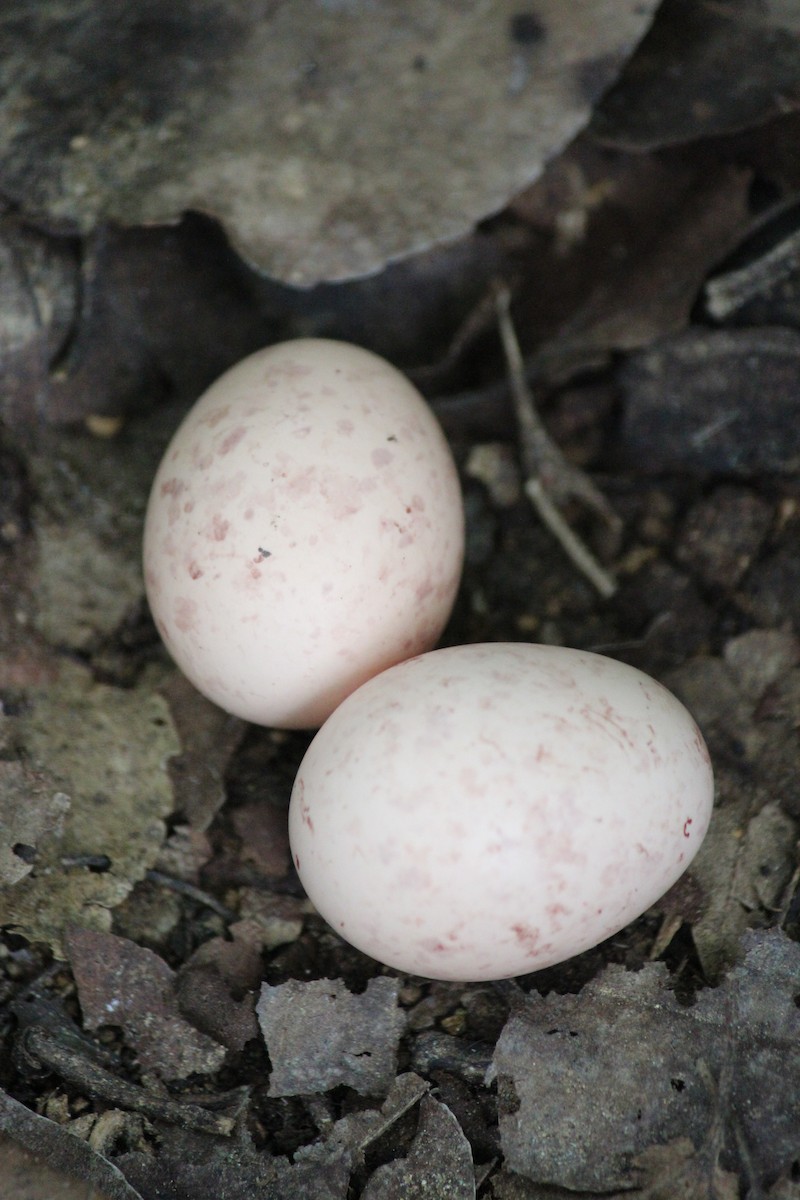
(176,1020)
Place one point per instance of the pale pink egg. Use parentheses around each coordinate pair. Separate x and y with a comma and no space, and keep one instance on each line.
(305,531)
(484,811)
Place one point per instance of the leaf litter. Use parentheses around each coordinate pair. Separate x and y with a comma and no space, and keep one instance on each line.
(315,184)
(625,1066)
(252,1052)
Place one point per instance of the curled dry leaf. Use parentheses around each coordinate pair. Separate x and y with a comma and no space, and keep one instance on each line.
(291,122)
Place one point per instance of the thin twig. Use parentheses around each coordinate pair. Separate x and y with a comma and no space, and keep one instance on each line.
(577,550)
(43,1049)
(549,477)
(193,892)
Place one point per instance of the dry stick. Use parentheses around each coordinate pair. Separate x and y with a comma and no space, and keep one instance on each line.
(540,456)
(42,1049)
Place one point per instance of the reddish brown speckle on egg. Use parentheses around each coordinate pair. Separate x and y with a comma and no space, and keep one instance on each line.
(231,440)
(172,487)
(219,528)
(185,614)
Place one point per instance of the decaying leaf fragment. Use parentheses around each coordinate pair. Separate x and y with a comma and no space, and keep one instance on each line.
(689,403)
(328,138)
(750,850)
(743,867)
(90,502)
(439,1162)
(320,1035)
(107,749)
(588,1082)
(62,1151)
(705,70)
(30,811)
(120,983)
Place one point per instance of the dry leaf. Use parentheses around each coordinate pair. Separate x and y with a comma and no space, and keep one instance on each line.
(31,809)
(88,515)
(209,737)
(62,1151)
(704,70)
(438,1164)
(678,1170)
(743,867)
(329,139)
(349,1137)
(120,983)
(588,1082)
(319,1035)
(190,1166)
(107,749)
(688,403)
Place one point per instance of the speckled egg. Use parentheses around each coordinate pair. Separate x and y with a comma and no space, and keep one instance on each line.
(484,811)
(305,530)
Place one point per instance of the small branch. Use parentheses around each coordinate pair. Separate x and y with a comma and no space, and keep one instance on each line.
(577,550)
(42,1049)
(550,479)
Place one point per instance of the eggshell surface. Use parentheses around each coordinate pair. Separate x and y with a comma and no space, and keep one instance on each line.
(484,811)
(305,530)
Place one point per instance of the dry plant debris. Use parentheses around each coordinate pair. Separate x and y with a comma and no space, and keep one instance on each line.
(700,41)
(319,1036)
(324,181)
(120,983)
(585,1081)
(108,749)
(655,292)
(689,403)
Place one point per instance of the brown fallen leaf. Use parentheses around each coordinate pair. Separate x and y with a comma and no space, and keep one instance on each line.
(705,70)
(120,983)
